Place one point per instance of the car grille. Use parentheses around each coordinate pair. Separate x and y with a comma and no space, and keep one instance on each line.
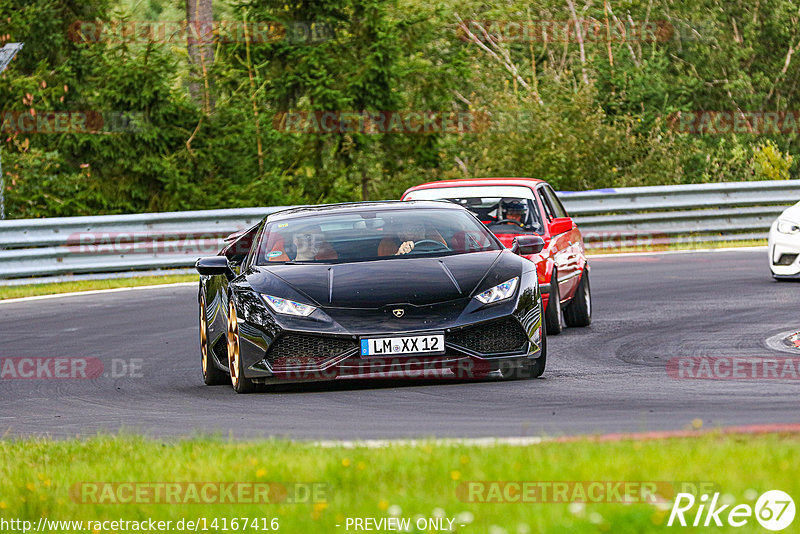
(301,350)
(505,335)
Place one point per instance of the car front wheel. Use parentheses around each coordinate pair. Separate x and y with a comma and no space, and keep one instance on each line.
(212,376)
(553,315)
(579,311)
(240,383)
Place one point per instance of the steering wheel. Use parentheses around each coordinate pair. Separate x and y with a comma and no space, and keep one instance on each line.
(427,245)
(506,221)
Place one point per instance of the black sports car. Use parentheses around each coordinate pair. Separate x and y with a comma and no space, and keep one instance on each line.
(369,289)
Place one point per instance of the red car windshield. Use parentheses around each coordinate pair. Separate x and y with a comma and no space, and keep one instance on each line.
(504,214)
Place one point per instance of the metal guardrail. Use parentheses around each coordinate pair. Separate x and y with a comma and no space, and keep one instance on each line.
(108,243)
(697,213)
(608,218)
(682,197)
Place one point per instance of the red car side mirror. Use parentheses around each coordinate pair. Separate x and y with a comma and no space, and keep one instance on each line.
(561,225)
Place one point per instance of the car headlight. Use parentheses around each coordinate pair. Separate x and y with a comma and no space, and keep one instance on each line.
(786,227)
(288,307)
(499,292)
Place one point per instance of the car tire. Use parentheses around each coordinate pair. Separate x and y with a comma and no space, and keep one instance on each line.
(212,375)
(240,383)
(536,368)
(579,311)
(553,316)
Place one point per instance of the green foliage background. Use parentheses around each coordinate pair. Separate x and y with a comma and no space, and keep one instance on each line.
(581,121)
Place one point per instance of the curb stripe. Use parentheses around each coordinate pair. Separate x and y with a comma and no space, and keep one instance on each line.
(96,292)
(526,441)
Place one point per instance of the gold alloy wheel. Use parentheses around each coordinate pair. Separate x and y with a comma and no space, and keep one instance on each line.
(203,336)
(233,345)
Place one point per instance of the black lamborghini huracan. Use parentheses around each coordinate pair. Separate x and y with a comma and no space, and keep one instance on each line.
(369,289)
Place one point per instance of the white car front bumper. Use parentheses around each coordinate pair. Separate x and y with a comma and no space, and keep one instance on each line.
(784,253)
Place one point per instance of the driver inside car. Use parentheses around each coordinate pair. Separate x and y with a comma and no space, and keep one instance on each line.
(514,210)
(408,234)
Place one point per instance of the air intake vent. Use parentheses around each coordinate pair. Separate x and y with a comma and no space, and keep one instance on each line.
(505,335)
(301,350)
(786,259)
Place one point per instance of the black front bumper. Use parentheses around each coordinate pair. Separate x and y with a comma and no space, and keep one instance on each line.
(471,351)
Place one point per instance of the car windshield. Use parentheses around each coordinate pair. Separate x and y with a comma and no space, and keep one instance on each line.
(372,235)
(506,209)
(503,214)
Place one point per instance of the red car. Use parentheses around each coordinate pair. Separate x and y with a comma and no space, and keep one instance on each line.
(511,207)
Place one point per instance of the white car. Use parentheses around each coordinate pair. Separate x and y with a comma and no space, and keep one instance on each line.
(784,244)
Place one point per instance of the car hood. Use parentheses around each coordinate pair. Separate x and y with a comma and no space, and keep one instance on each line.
(792,213)
(374,284)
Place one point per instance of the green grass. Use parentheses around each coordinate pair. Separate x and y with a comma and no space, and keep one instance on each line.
(13,292)
(36,476)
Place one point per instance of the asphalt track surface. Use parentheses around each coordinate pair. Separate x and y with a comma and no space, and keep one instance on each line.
(609,377)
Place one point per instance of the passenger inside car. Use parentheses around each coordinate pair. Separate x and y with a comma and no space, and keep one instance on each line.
(308,244)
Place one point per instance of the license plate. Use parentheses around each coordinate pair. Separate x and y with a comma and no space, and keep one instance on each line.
(383,346)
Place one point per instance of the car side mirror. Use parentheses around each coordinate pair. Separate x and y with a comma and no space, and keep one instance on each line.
(561,225)
(214,265)
(525,245)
